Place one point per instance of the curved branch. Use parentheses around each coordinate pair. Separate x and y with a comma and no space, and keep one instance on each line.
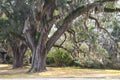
(98,25)
(72,32)
(58,46)
(63,40)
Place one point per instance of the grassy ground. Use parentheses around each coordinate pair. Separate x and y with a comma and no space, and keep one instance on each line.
(6,71)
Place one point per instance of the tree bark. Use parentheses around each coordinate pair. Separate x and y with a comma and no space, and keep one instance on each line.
(39,55)
(18,53)
(39,62)
(38,49)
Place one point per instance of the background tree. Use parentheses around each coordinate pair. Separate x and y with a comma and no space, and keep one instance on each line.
(11,25)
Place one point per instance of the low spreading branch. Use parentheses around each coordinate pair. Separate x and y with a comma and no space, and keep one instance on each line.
(59,46)
(68,19)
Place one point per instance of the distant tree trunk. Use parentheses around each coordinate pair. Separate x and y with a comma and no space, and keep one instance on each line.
(3,56)
(18,53)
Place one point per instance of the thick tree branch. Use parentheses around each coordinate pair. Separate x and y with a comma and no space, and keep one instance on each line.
(28,36)
(58,46)
(68,19)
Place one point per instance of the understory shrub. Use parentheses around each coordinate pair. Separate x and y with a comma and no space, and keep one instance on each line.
(88,63)
(50,59)
(62,58)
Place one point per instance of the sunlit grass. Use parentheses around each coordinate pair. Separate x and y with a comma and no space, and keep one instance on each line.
(6,71)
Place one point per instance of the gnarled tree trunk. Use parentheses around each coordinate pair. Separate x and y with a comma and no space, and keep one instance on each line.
(39,51)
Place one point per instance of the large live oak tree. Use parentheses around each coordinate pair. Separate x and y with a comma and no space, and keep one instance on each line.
(44,19)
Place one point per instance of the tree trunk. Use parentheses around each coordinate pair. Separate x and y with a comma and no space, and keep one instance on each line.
(18,53)
(38,48)
(38,61)
(18,60)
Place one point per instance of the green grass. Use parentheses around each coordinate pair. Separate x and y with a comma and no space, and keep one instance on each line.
(6,71)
